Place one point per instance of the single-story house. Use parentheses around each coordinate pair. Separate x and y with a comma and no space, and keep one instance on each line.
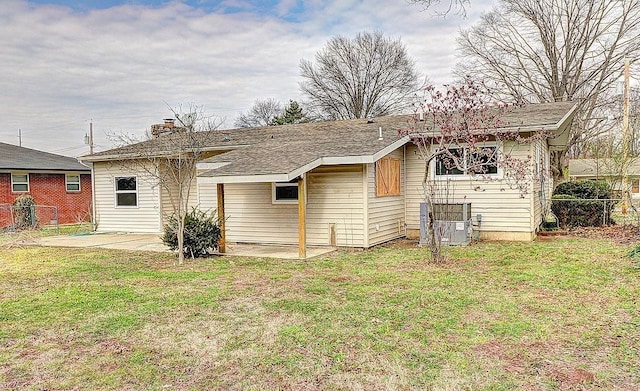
(352,183)
(52,180)
(608,170)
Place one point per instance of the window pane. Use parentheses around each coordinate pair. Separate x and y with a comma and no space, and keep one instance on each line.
(22,178)
(20,187)
(286,192)
(128,183)
(73,186)
(126,199)
(73,178)
(447,164)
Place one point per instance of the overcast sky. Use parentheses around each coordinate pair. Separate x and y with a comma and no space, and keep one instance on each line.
(121,62)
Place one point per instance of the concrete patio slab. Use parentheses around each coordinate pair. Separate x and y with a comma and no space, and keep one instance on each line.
(274,251)
(152,242)
(119,241)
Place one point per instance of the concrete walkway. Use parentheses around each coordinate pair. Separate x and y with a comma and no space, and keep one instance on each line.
(152,242)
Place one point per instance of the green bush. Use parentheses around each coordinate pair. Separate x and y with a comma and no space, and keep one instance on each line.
(25,212)
(201,234)
(569,204)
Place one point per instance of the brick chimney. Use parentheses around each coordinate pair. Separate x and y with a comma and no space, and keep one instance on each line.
(166,128)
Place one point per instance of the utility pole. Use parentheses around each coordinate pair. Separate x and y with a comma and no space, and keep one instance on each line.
(625,140)
(20,137)
(88,139)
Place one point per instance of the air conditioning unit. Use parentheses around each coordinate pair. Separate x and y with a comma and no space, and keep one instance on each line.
(452,225)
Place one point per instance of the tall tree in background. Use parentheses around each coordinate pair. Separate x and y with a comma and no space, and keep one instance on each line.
(555,50)
(292,114)
(369,75)
(261,113)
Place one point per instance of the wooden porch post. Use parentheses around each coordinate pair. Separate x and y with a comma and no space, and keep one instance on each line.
(221,221)
(302,219)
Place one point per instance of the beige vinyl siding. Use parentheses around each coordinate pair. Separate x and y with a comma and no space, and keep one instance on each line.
(385,214)
(503,209)
(542,185)
(335,196)
(145,217)
(208,197)
(252,218)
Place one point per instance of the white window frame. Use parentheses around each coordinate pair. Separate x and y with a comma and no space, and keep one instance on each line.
(14,182)
(67,183)
(466,176)
(275,185)
(116,192)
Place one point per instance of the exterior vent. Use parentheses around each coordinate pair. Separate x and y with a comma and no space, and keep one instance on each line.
(453,225)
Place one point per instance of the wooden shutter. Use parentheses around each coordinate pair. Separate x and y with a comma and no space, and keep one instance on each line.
(387,177)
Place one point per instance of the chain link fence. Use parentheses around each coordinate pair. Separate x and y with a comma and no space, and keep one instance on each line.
(14,218)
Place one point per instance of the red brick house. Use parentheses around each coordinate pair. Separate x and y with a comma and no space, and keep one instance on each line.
(52,180)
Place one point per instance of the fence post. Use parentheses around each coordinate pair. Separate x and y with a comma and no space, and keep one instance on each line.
(604,213)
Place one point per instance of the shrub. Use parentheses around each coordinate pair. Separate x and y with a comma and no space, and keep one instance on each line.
(201,233)
(571,208)
(25,212)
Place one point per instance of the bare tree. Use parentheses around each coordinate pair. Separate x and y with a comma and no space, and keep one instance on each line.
(463,134)
(369,75)
(555,50)
(169,157)
(262,113)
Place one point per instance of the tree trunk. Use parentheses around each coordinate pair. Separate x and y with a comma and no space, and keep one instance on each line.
(180,234)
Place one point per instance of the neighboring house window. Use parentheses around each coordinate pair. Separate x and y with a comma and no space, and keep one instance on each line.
(467,161)
(635,186)
(387,177)
(20,183)
(285,192)
(73,182)
(126,191)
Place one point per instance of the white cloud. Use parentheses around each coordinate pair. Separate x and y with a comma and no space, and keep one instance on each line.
(118,66)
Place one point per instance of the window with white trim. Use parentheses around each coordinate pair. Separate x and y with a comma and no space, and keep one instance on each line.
(285,192)
(20,183)
(469,161)
(72,182)
(126,191)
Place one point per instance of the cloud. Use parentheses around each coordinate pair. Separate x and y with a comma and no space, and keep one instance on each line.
(121,66)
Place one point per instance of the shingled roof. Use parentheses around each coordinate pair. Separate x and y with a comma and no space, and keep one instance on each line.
(283,152)
(605,167)
(13,158)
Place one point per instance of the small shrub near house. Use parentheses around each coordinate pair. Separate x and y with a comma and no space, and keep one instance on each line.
(201,234)
(24,212)
(574,206)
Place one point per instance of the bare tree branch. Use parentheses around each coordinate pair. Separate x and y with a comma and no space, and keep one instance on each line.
(444,8)
(262,113)
(370,75)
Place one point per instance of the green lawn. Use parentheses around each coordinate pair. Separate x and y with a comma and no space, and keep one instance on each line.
(551,315)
